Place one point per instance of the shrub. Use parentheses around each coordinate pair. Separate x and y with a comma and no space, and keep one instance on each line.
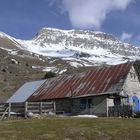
(49,74)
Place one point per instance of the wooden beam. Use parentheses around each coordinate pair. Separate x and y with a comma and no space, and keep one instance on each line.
(26,109)
(40,108)
(54,106)
(9,110)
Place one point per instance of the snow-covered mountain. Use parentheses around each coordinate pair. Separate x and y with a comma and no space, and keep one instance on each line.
(77,47)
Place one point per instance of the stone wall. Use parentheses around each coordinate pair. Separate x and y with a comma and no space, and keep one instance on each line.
(97,106)
(63,105)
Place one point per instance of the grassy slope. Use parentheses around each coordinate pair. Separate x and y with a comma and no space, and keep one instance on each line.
(71,129)
(13,75)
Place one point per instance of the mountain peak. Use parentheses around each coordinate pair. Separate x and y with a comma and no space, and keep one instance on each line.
(46,30)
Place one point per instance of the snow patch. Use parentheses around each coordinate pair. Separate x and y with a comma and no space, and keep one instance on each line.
(62,71)
(10,51)
(15,61)
(50,69)
(86,116)
(75,64)
(36,67)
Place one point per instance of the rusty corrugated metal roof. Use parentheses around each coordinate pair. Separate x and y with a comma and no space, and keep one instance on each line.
(94,82)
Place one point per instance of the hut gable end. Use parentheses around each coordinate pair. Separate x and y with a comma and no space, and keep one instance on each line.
(132,85)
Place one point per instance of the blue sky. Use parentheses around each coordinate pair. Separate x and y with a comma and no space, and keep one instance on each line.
(24,18)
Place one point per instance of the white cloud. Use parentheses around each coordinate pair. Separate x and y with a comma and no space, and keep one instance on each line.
(126,36)
(91,13)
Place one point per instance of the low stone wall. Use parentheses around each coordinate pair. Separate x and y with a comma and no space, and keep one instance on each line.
(97,106)
(63,106)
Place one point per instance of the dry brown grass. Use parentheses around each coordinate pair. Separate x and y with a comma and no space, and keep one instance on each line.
(70,129)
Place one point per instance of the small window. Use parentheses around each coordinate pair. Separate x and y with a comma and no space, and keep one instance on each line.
(134,76)
(131,75)
(83,103)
